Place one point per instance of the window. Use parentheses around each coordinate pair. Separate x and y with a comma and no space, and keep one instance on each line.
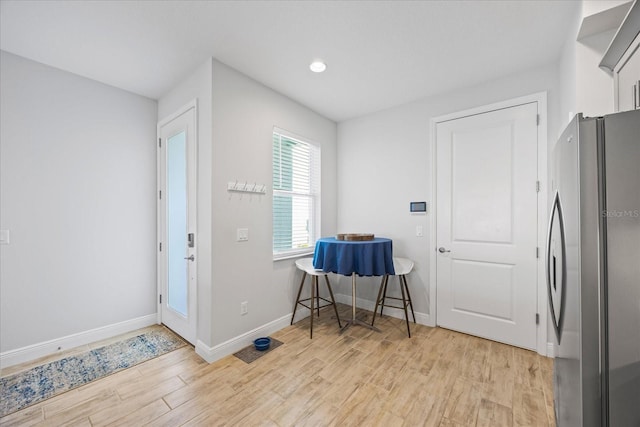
(296,195)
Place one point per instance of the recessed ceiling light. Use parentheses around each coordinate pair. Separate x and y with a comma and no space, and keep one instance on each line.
(318,66)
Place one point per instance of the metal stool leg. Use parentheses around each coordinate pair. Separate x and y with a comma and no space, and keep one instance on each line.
(317,297)
(375,310)
(295,305)
(404,279)
(333,301)
(313,297)
(384,294)
(404,305)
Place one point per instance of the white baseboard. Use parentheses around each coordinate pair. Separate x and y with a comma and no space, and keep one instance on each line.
(35,351)
(217,352)
(421,318)
(550,350)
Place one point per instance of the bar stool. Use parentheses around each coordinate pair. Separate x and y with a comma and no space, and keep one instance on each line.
(402,267)
(306,265)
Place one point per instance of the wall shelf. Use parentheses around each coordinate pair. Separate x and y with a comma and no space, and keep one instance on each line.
(625,35)
(608,19)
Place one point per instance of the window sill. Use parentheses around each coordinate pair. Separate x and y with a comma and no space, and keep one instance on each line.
(293,255)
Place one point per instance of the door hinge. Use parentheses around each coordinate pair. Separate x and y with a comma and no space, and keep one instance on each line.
(537,119)
(537,186)
(537,252)
(537,318)
(160,246)
(160,194)
(159,142)
(160,298)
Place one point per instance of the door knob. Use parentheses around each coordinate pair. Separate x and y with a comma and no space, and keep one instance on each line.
(442,250)
(190,258)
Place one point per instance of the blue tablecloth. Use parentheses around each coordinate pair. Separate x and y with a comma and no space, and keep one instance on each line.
(366,258)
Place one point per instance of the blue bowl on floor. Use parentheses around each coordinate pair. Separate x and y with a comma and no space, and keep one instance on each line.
(262,344)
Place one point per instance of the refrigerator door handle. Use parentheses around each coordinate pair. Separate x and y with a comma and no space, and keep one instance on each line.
(557,307)
(548,259)
(555,272)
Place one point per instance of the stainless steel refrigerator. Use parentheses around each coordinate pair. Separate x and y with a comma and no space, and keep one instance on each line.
(593,271)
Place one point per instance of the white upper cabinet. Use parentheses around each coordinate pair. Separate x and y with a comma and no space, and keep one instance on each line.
(626,79)
(623,59)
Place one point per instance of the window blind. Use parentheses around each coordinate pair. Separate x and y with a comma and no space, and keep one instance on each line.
(296,195)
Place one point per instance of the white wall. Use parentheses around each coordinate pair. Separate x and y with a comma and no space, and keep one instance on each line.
(244,114)
(236,116)
(594,94)
(78,196)
(384,163)
(592,7)
(585,87)
(567,83)
(198,85)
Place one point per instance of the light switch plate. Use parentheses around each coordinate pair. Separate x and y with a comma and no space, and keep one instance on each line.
(419,232)
(242,234)
(4,237)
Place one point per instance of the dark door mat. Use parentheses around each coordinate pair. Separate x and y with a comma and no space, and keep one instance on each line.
(250,354)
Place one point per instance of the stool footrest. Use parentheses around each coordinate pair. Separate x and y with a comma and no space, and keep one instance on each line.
(396,298)
(395,306)
(328,303)
(381,300)
(315,302)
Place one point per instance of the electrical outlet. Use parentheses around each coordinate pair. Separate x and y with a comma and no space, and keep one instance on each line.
(244,308)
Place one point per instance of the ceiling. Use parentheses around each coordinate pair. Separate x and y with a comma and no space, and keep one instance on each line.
(378,53)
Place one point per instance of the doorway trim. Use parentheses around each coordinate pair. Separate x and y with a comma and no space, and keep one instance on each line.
(193,104)
(542,347)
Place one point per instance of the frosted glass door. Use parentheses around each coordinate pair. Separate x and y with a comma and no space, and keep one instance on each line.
(177,257)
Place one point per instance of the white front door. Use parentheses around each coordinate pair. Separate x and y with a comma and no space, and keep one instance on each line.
(177,223)
(487,224)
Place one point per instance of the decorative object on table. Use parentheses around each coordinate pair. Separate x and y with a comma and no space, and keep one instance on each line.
(250,354)
(306,265)
(355,237)
(34,385)
(402,267)
(262,344)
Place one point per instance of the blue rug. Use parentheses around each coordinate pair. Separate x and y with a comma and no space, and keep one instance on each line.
(23,389)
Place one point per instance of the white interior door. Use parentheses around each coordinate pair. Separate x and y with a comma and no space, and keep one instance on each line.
(177,223)
(487,224)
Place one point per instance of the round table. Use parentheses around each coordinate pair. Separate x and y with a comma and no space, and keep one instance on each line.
(351,258)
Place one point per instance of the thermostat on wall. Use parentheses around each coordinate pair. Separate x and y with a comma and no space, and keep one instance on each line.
(418,207)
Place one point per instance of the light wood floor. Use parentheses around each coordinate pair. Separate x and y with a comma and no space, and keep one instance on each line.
(361,378)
